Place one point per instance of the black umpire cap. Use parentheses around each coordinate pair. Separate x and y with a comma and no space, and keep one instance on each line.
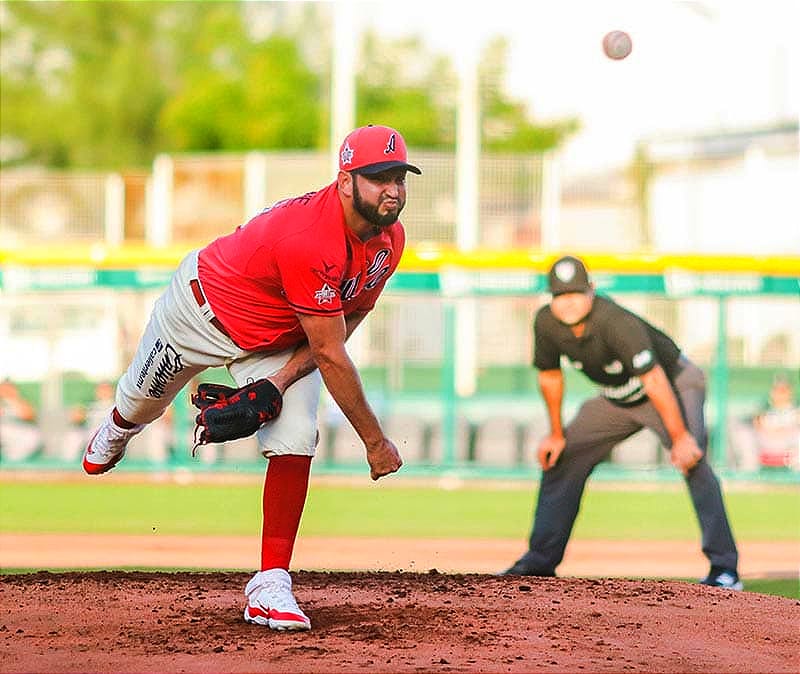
(568,275)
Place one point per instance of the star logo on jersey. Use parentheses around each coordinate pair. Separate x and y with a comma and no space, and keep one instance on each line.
(325,295)
(347,154)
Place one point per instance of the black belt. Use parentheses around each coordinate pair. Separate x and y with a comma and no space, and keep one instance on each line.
(201,300)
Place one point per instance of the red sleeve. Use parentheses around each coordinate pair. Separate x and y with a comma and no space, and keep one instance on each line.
(311,277)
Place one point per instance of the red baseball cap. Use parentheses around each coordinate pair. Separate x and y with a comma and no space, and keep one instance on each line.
(372,149)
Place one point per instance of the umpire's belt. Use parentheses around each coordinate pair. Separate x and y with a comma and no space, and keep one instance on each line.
(201,300)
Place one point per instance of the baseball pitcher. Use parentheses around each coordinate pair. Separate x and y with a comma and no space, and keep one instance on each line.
(275,301)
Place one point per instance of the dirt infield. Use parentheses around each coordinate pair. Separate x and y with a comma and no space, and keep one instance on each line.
(391,622)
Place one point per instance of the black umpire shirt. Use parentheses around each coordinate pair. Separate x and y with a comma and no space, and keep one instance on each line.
(616,347)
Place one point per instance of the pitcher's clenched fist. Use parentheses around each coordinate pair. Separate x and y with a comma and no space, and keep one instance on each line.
(383,459)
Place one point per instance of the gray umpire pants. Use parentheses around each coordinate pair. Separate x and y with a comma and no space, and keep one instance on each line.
(600,425)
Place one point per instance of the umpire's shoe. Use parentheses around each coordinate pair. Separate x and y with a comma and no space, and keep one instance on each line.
(270,602)
(724,578)
(107,446)
(522,567)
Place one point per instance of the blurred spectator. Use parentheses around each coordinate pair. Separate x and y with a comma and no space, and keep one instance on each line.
(155,445)
(777,427)
(771,438)
(20,436)
(83,419)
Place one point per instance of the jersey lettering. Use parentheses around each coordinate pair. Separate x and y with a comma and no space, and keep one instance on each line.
(303,199)
(376,270)
(349,288)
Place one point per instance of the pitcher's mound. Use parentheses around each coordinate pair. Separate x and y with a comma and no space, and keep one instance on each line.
(392,622)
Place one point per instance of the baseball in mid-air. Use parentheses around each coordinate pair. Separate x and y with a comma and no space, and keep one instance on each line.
(617,44)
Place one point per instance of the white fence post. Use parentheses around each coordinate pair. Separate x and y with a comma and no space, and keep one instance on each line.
(255,184)
(551,202)
(468,144)
(158,229)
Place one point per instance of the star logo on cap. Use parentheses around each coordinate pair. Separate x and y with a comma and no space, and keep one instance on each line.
(565,271)
(347,154)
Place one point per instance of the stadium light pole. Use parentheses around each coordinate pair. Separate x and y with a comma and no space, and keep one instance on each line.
(468,142)
(346,38)
(468,148)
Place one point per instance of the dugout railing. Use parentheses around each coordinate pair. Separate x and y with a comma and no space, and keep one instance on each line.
(445,357)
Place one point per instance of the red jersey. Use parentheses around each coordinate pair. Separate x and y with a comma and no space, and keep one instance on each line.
(297,256)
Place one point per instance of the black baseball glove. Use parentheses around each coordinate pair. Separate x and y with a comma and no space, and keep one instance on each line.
(230,413)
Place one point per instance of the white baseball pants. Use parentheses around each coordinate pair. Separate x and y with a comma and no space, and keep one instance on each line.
(181,340)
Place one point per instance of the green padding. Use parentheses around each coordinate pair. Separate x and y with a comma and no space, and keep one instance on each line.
(745,384)
(451,283)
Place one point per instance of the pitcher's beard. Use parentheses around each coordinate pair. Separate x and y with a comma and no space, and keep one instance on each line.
(370,213)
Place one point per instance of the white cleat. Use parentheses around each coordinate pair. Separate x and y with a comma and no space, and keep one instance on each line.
(270,602)
(727,579)
(107,446)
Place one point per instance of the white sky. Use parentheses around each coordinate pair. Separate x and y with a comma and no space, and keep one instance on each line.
(695,66)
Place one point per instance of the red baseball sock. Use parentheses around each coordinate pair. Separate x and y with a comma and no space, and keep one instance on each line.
(285,488)
(121,421)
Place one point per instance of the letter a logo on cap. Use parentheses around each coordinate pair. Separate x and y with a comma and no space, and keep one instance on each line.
(390,145)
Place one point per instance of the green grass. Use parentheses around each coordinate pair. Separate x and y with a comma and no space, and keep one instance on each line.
(105,506)
(780,587)
(661,513)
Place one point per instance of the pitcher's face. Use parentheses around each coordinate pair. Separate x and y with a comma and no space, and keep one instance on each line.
(379,198)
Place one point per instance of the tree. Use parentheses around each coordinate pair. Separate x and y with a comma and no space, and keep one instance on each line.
(77,81)
(506,124)
(421,100)
(270,100)
(111,84)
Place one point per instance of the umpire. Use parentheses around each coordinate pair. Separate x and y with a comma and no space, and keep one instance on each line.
(644,381)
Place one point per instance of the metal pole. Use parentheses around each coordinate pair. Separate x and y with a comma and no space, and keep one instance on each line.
(114,212)
(551,203)
(346,38)
(720,387)
(448,390)
(159,222)
(255,183)
(461,313)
